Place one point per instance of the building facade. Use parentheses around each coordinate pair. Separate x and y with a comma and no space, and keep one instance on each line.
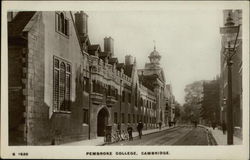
(233,17)
(63,86)
(170,105)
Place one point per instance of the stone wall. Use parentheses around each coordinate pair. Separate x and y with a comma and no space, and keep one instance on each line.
(16,106)
(37,119)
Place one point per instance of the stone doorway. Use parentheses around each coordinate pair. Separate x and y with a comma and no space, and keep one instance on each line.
(102,121)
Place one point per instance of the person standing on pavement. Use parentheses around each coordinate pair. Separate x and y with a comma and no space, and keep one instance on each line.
(130,131)
(224,127)
(139,129)
(160,123)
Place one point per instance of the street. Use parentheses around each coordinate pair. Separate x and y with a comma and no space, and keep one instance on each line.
(181,135)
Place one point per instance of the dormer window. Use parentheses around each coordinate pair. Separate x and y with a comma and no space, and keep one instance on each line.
(62,24)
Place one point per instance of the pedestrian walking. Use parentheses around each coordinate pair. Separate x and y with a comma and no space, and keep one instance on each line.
(160,123)
(224,127)
(130,131)
(139,129)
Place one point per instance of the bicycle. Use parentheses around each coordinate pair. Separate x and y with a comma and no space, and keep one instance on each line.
(116,137)
(125,135)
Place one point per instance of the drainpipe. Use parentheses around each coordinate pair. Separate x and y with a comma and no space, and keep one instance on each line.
(120,105)
(90,81)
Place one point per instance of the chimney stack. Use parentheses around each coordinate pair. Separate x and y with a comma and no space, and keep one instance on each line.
(109,45)
(81,21)
(128,60)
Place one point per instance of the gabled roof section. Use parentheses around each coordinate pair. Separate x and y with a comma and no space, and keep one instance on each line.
(93,48)
(104,55)
(119,66)
(16,26)
(113,61)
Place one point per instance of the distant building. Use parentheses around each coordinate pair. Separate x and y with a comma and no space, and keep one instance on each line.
(170,105)
(62,85)
(235,16)
(152,76)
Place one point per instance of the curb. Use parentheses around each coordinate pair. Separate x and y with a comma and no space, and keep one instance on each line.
(210,137)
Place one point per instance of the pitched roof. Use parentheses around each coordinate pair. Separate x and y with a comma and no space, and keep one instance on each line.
(103,55)
(119,66)
(16,26)
(113,60)
(93,48)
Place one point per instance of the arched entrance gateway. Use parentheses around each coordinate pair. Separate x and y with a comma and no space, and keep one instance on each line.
(102,121)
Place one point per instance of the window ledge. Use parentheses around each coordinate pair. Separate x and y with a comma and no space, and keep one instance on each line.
(85,125)
(62,112)
(64,35)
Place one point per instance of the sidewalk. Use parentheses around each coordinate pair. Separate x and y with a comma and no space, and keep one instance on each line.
(221,138)
(99,141)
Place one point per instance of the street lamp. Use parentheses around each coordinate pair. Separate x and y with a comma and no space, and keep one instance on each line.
(90,81)
(120,110)
(230,32)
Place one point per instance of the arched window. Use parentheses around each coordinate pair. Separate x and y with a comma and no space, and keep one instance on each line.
(136,95)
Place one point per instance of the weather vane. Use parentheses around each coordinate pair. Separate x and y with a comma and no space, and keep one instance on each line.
(154,44)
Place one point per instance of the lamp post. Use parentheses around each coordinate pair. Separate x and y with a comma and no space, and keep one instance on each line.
(223,110)
(229,32)
(90,81)
(120,110)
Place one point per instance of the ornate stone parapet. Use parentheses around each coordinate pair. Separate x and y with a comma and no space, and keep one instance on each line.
(96,98)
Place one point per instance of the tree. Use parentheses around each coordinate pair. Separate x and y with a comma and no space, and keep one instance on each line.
(193,97)
(210,110)
(177,110)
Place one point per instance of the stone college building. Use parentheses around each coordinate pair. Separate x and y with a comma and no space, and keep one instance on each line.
(60,84)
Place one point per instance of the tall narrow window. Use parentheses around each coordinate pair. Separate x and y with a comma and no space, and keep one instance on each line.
(123,118)
(129,118)
(129,97)
(66,25)
(123,96)
(62,23)
(115,117)
(61,85)
(85,115)
(67,92)
(116,94)
(56,84)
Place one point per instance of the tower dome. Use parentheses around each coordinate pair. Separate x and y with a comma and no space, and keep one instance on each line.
(154,56)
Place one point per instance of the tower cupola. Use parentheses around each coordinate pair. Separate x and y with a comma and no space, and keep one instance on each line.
(155,57)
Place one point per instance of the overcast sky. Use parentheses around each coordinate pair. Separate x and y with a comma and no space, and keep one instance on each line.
(188,41)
